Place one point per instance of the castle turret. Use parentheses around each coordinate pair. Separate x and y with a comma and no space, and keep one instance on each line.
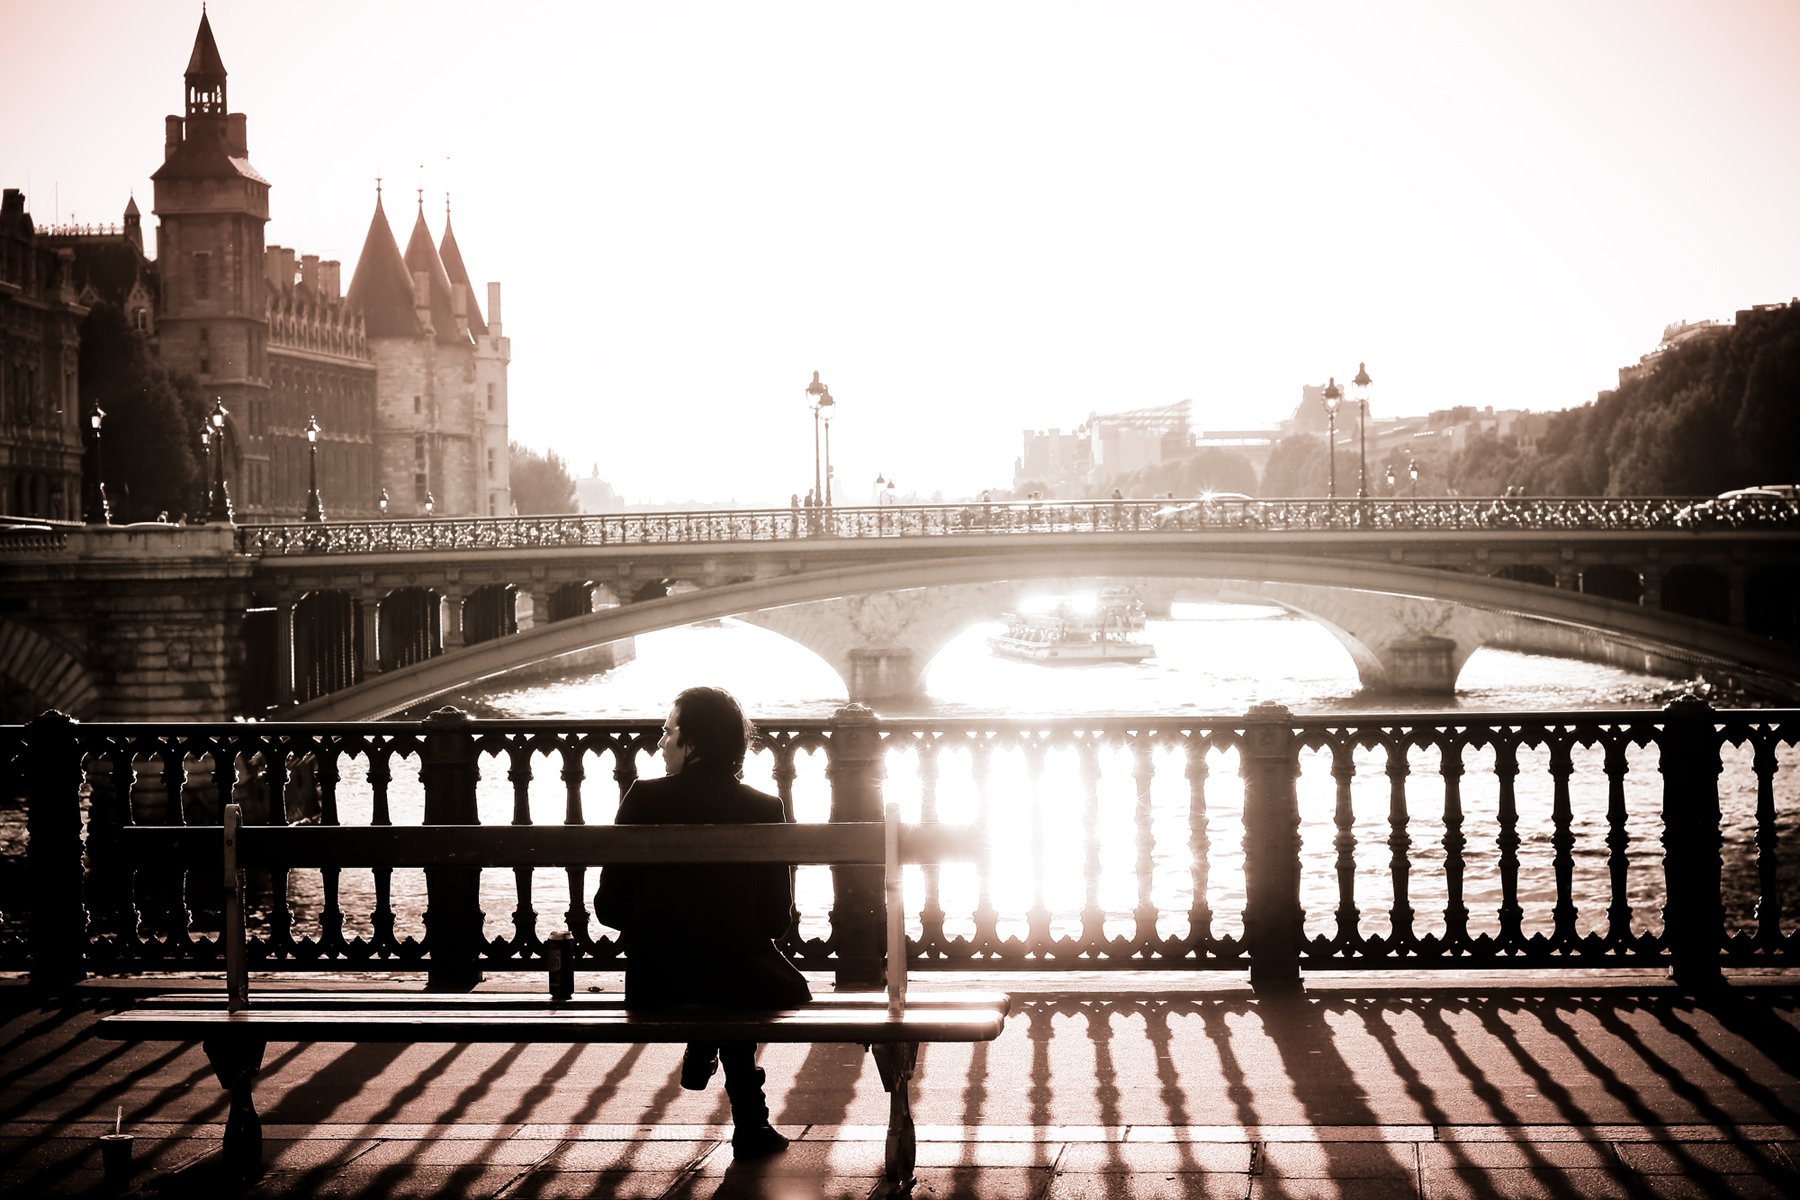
(212,208)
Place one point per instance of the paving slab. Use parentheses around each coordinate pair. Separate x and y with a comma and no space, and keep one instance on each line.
(1103,1085)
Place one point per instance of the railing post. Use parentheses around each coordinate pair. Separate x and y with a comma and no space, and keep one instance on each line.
(858,914)
(1693,910)
(56,924)
(448,770)
(1273,920)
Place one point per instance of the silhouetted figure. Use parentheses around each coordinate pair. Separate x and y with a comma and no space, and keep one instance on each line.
(704,934)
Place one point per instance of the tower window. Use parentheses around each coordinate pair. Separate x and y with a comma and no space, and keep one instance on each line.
(490,397)
(418,404)
(202,275)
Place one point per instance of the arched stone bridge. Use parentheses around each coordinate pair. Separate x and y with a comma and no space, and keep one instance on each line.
(364,620)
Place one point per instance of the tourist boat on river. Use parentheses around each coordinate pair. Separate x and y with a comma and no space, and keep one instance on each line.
(1109,629)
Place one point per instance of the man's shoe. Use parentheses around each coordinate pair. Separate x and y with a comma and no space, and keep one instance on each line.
(756,1142)
(697,1067)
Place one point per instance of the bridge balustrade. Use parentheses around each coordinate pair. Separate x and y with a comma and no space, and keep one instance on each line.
(975,518)
(1263,842)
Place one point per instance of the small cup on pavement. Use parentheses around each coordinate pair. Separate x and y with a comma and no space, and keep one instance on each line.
(115,1155)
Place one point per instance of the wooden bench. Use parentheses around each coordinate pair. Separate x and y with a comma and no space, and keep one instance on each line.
(235,1034)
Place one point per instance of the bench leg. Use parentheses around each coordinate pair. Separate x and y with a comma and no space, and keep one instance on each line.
(236,1061)
(895,1062)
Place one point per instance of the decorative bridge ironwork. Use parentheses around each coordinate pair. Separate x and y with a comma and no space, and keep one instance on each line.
(979,519)
(1267,841)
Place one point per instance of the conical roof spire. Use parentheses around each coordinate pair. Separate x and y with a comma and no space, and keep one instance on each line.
(382,286)
(453,266)
(421,255)
(205,74)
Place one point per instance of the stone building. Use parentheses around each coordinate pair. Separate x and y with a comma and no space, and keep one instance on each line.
(406,378)
(41,415)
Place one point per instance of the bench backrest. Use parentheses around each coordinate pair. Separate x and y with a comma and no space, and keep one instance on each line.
(887,843)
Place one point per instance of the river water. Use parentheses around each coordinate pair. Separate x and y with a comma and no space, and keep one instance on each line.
(1213,660)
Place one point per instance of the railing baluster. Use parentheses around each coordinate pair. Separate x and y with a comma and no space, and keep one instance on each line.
(1456,913)
(1512,917)
(931,915)
(1093,917)
(1144,915)
(1199,847)
(525,943)
(1400,933)
(1037,920)
(1562,839)
(987,922)
(1343,774)
(382,941)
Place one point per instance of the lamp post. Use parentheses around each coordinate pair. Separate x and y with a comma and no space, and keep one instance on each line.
(219,506)
(821,399)
(98,511)
(1333,397)
(315,511)
(430,504)
(1412,471)
(1390,479)
(829,406)
(382,503)
(1359,388)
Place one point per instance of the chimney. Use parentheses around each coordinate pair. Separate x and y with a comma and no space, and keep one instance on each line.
(272,266)
(171,137)
(329,280)
(493,320)
(459,305)
(287,267)
(309,271)
(422,299)
(237,135)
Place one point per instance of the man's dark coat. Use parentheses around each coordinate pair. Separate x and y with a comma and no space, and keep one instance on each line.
(701,934)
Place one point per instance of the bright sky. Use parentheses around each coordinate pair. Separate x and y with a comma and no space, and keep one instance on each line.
(977,218)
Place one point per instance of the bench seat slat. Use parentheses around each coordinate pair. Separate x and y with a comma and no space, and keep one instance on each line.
(839,843)
(813,1023)
(484,1001)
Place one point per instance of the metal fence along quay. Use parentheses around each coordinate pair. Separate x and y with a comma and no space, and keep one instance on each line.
(1265,842)
(978,518)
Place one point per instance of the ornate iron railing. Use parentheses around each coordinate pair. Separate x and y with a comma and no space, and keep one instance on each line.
(1267,842)
(986,519)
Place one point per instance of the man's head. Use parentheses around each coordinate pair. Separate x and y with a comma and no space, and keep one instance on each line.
(707,727)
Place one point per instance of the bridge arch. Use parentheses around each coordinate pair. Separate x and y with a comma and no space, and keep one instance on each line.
(1752,660)
(44,674)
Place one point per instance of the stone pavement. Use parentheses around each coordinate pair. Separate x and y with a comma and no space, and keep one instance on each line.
(1103,1085)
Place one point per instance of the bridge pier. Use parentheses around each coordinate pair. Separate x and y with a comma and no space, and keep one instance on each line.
(371,647)
(1422,664)
(883,674)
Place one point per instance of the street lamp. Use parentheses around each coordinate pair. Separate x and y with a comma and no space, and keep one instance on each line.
(1359,389)
(219,505)
(99,513)
(829,406)
(1333,397)
(382,503)
(1390,478)
(1412,469)
(314,510)
(821,401)
(430,503)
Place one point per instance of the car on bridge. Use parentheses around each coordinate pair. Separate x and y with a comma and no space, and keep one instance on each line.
(1769,504)
(1211,510)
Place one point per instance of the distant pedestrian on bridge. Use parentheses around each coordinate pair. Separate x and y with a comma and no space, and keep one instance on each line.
(705,934)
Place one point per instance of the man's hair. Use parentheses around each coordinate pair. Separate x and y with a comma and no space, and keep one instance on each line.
(714,728)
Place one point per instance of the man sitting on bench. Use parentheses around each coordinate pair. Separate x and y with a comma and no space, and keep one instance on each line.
(704,934)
